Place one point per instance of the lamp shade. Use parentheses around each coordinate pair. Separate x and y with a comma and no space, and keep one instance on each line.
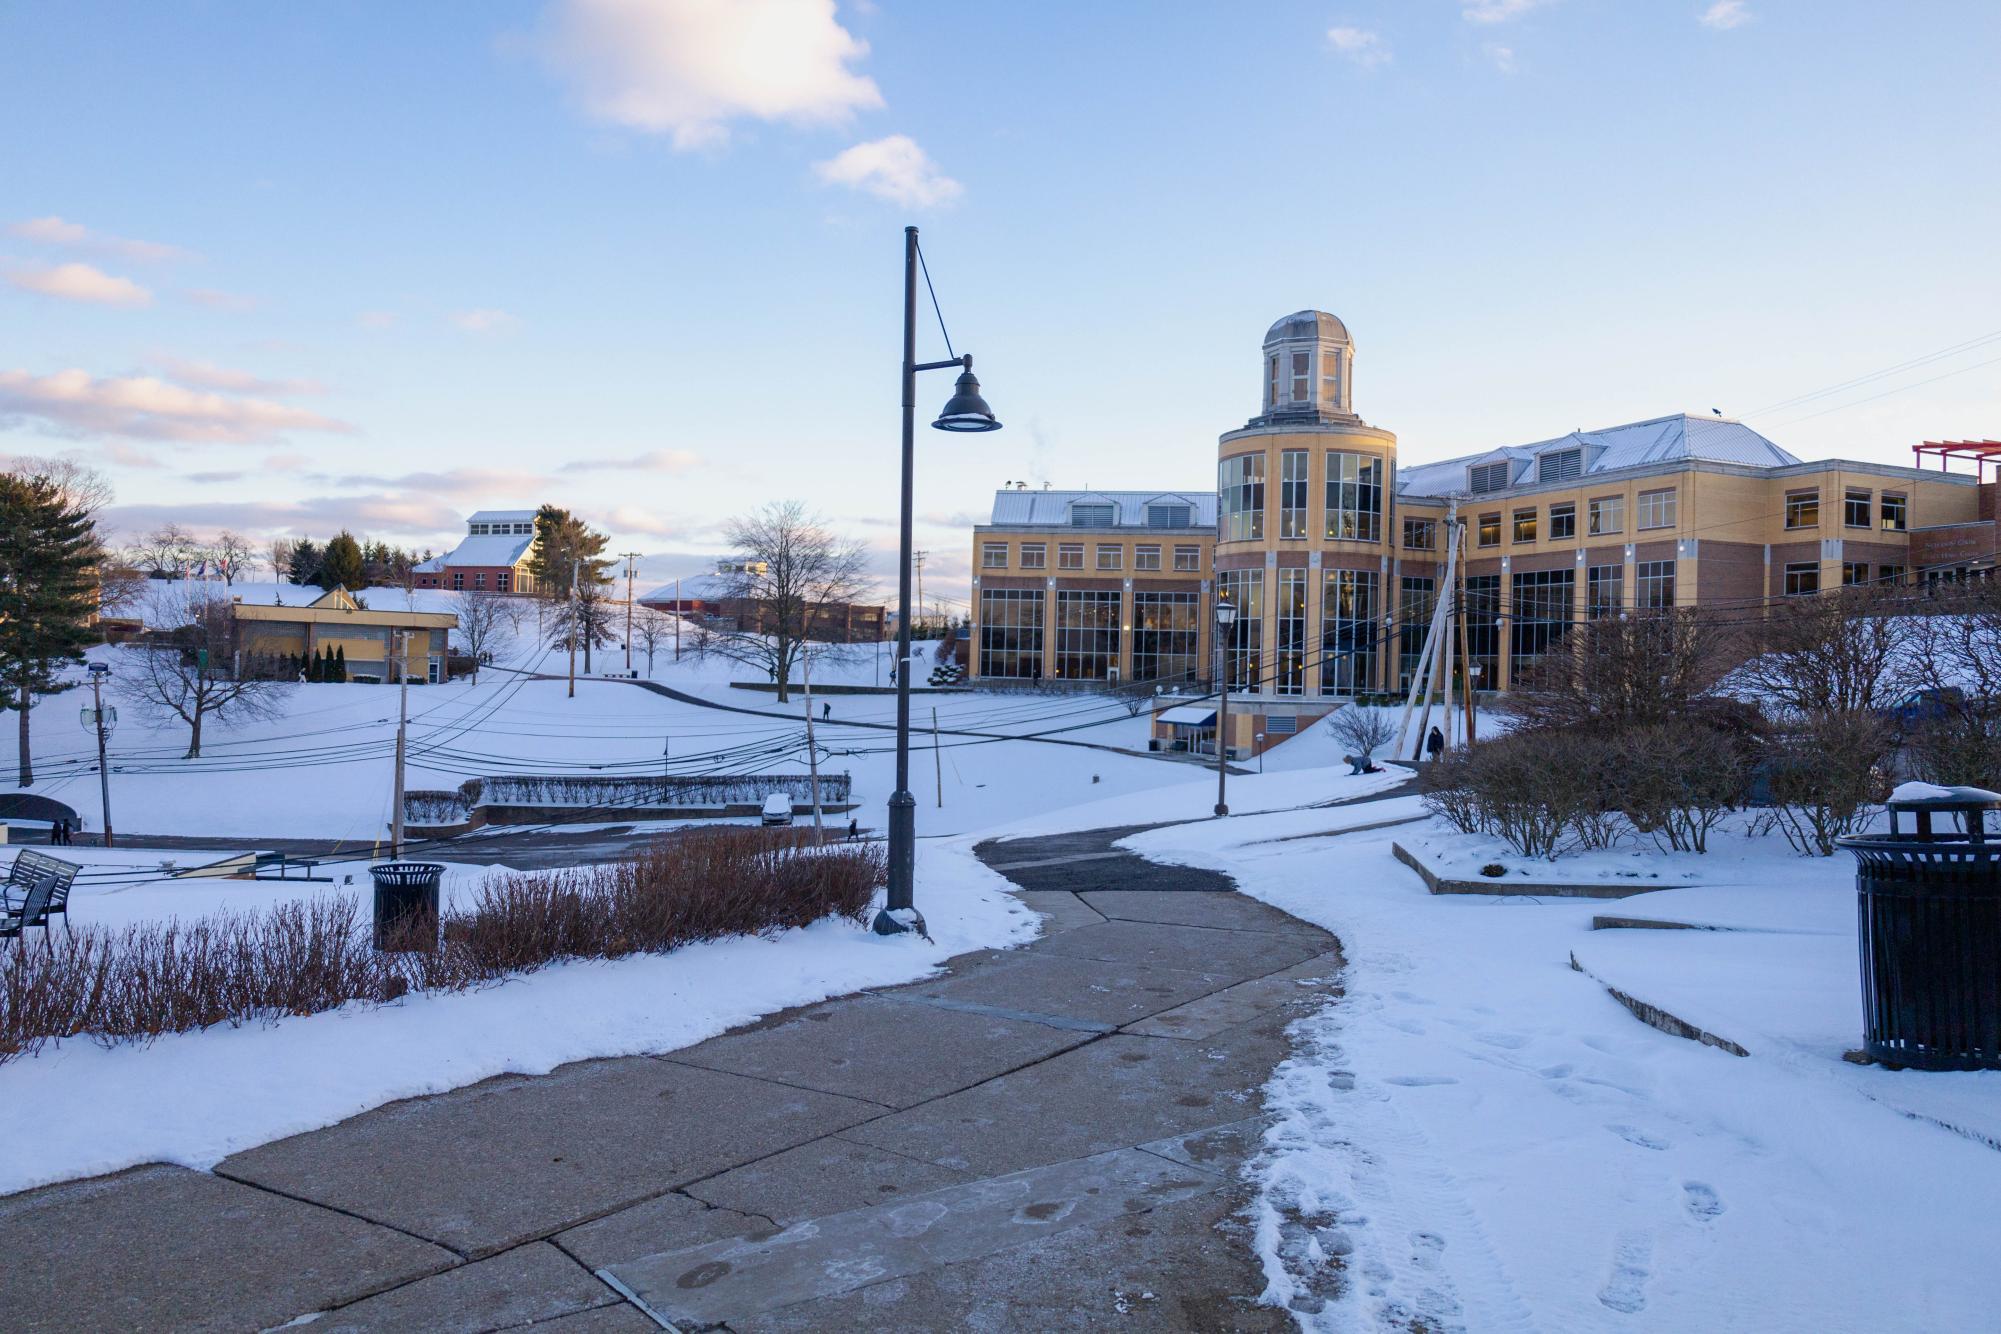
(1226,613)
(966,410)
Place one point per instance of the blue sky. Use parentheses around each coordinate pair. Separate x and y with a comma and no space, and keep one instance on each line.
(286,268)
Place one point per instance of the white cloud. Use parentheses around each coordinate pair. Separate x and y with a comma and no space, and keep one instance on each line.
(1726,14)
(80,282)
(216,299)
(486,320)
(208,375)
(689,67)
(1360,45)
(1503,58)
(143,407)
(658,460)
(1497,11)
(895,169)
(59,231)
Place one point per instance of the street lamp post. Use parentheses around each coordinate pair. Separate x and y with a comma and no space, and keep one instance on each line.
(98,672)
(1226,616)
(965,411)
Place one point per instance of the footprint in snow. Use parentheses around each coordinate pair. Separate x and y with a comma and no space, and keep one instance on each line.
(1562,1071)
(1625,1287)
(1420,1081)
(1634,1135)
(1506,1041)
(1702,1202)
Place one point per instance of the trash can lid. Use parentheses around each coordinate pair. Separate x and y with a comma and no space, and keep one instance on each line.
(1931,797)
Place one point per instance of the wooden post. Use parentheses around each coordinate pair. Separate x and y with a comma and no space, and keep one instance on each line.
(937,761)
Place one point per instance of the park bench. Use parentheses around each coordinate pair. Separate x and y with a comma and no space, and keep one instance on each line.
(37,888)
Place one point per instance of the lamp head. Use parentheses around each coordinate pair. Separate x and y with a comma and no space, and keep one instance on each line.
(1226,613)
(966,410)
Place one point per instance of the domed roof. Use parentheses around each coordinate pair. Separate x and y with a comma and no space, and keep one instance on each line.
(1307,324)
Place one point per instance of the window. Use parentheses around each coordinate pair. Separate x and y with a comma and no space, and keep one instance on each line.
(1490,530)
(1146,558)
(1525,525)
(1560,466)
(1011,632)
(479,579)
(1542,615)
(1606,516)
(1271,386)
(1292,493)
(1070,556)
(1034,556)
(1245,589)
(1890,574)
(1653,584)
(1802,579)
(1420,534)
(1169,516)
(1240,492)
(476,529)
(1330,377)
(1087,635)
(1092,515)
(1562,522)
(1354,497)
(1111,557)
(1484,477)
(1802,509)
(1348,613)
(1302,377)
(1289,621)
(1896,512)
(1483,630)
(1414,622)
(1657,509)
(1856,509)
(1188,558)
(1166,634)
(504,581)
(1604,591)
(993,556)
(1854,573)
(458,578)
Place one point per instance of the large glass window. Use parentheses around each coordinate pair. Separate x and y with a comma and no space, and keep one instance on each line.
(1289,627)
(1525,525)
(1541,616)
(1490,530)
(1604,591)
(1069,555)
(1803,509)
(1854,572)
(1011,632)
(1653,584)
(1034,555)
(1188,558)
(1292,493)
(1240,493)
(1562,522)
(1657,509)
(1420,597)
(993,555)
(1420,534)
(1896,512)
(1606,516)
(1246,591)
(1483,630)
(1087,635)
(1146,557)
(1166,634)
(1857,509)
(1802,579)
(1110,557)
(1349,612)
(1354,497)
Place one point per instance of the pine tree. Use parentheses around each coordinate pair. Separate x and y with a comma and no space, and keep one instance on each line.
(49,555)
(340,663)
(341,564)
(304,565)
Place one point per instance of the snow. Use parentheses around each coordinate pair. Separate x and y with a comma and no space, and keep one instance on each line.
(1486,1138)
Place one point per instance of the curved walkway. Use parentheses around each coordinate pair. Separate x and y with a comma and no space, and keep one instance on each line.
(1046,1137)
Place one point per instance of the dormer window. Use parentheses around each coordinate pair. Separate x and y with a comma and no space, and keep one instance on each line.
(1484,477)
(1559,465)
(1092,514)
(1162,515)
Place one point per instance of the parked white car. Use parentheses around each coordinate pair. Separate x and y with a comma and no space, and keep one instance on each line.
(778,809)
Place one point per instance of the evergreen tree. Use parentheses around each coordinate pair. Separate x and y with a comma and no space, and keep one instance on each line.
(303,567)
(313,669)
(341,564)
(49,554)
(340,663)
(561,538)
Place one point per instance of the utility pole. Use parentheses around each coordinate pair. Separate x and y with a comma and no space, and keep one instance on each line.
(571,633)
(937,760)
(812,751)
(677,620)
(917,558)
(630,557)
(402,723)
(98,671)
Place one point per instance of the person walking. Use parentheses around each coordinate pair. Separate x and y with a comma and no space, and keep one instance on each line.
(1434,744)
(854,829)
(56,834)
(826,712)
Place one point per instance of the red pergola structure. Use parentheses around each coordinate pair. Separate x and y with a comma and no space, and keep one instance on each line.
(1982,452)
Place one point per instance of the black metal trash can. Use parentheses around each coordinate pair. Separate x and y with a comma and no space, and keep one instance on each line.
(1929,905)
(406,905)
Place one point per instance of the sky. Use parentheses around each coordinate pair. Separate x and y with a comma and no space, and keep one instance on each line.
(286,269)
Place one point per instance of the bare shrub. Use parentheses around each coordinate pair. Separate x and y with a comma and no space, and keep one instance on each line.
(1961,746)
(1832,654)
(1645,667)
(1537,791)
(1677,781)
(1826,772)
(1450,791)
(1361,730)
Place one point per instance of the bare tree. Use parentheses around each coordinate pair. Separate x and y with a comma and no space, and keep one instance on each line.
(230,554)
(792,584)
(1362,730)
(1643,668)
(190,672)
(1833,654)
(488,622)
(651,630)
(279,557)
(163,553)
(589,614)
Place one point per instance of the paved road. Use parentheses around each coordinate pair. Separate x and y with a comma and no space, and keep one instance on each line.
(1041,1138)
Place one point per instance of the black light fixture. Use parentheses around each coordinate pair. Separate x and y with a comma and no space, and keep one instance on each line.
(1226,617)
(966,410)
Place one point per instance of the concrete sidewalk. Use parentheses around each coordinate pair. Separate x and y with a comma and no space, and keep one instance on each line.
(1043,1138)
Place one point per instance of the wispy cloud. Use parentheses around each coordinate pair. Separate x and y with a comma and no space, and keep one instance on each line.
(80,282)
(454,482)
(658,460)
(486,320)
(895,169)
(1502,57)
(1497,11)
(389,516)
(376,319)
(217,299)
(1725,15)
(688,68)
(208,375)
(142,407)
(1360,45)
(61,232)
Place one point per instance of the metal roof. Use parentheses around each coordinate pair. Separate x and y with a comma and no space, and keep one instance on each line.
(1052,508)
(1675,439)
(501,516)
(495,550)
(1302,324)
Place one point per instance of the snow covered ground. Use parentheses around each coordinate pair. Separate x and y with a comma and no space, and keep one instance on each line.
(1486,1139)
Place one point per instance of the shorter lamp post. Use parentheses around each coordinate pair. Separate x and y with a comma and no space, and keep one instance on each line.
(1226,616)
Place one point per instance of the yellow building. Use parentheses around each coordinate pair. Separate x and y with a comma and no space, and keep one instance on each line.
(1332,552)
(374,643)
